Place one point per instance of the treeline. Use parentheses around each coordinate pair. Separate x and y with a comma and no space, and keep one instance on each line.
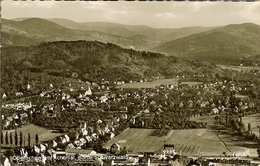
(160,132)
(17,140)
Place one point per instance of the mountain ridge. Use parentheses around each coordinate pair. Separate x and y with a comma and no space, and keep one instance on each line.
(150,36)
(225,44)
(228,43)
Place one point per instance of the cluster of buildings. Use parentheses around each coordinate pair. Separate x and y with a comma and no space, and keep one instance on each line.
(86,97)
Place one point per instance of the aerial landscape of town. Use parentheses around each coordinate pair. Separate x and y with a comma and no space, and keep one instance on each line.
(130,83)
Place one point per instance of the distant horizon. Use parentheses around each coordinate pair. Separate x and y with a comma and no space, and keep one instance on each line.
(49,19)
(166,15)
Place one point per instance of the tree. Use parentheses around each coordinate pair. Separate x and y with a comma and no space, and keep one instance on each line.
(216,120)
(16,138)
(258,152)
(2,137)
(29,139)
(21,138)
(11,139)
(36,139)
(24,140)
(249,127)
(6,138)
(9,153)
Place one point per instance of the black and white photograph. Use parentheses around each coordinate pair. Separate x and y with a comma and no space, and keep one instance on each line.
(145,83)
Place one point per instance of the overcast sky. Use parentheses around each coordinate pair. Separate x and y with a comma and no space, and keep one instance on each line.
(154,14)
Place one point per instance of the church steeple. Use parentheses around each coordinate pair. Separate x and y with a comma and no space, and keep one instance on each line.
(28,86)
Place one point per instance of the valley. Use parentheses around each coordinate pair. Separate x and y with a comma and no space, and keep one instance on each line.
(107,89)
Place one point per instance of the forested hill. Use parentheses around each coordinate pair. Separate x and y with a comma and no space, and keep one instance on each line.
(92,61)
(235,43)
(33,31)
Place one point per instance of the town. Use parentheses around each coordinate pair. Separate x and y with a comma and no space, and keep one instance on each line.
(130,83)
(91,115)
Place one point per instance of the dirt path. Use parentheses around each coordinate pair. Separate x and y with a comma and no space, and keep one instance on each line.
(223,142)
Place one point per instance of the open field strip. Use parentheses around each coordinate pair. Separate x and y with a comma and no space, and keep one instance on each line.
(234,143)
(240,68)
(209,119)
(155,83)
(152,84)
(194,142)
(254,120)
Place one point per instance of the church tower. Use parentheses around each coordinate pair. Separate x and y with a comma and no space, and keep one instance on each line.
(28,86)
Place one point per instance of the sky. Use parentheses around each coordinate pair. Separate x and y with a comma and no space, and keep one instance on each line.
(155,14)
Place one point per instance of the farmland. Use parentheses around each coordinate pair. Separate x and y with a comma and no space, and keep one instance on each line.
(254,120)
(155,83)
(192,142)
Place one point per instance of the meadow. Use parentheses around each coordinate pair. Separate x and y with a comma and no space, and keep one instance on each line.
(192,142)
(240,68)
(43,133)
(254,121)
(155,83)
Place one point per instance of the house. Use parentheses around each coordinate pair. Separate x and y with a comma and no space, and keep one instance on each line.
(112,135)
(24,115)
(88,92)
(115,148)
(4,96)
(103,99)
(81,152)
(71,146)
(19,94)
(215,111)
(88,138)
(36,149)
(146,111)
(42,147)
(169,149)
(82,140)
(43,159)
(23,152)
(94,135)
(160,154)
(67,138)
(50,153)
(6,162)
(144,161)
(54,143)
(63,140)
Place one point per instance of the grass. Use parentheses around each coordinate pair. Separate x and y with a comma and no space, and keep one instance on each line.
(192,142)
(240,68)
(209,119)
(44,134)
(155,83)
(254,120)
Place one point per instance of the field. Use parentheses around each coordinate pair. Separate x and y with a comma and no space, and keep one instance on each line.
(44,134)
(209,119)
(192,142)
(240,68)
(155,83)
(254,120)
